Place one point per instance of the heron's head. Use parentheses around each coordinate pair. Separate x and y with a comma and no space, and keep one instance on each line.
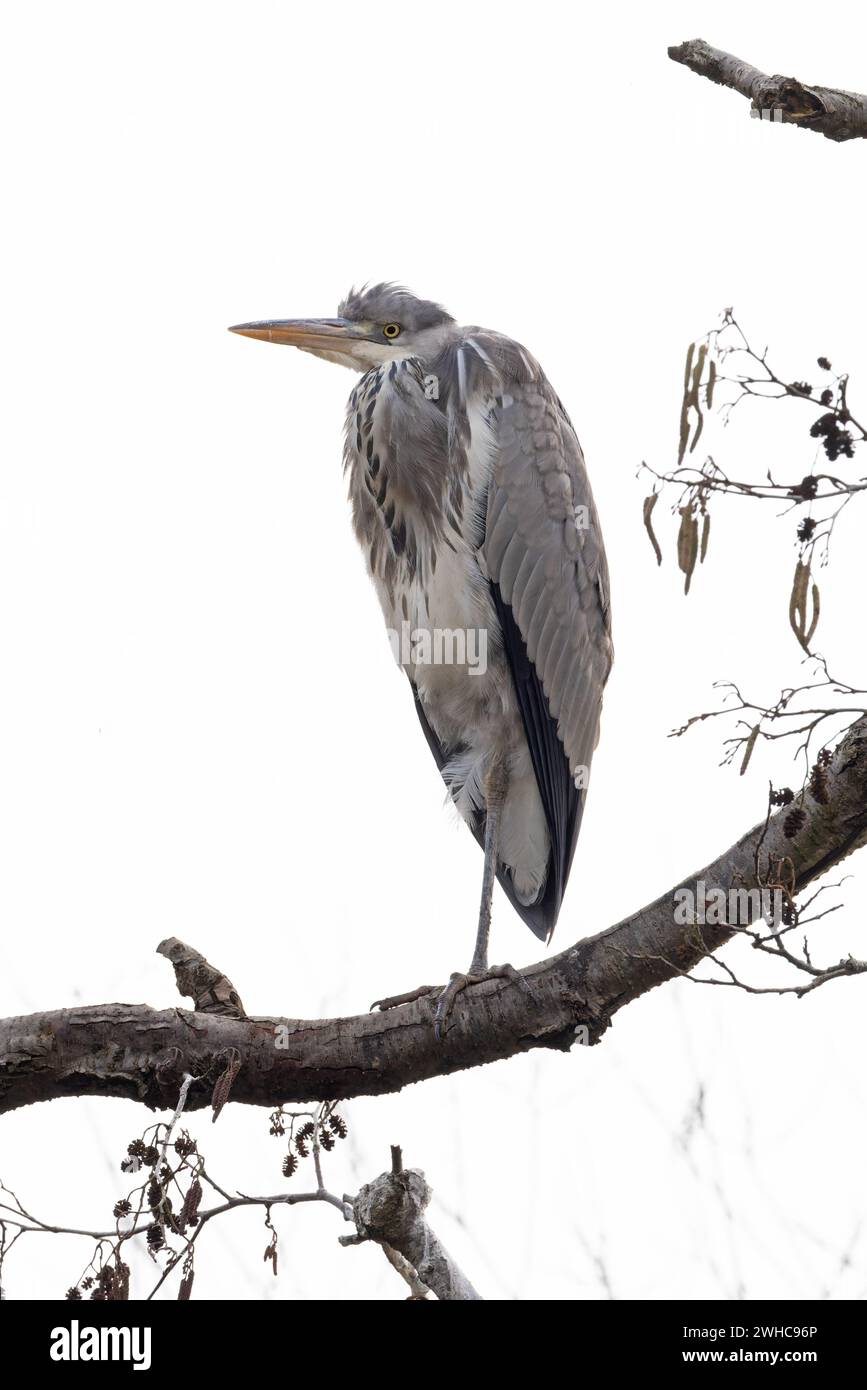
(376,324)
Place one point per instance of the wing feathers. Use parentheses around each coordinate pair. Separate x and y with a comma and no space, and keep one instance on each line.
(544,570)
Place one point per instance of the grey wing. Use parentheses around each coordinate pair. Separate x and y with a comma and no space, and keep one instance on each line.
(545,561)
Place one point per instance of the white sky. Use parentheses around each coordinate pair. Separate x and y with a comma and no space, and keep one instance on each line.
(189,746)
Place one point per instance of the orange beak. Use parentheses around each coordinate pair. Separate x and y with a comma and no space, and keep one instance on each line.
(302,333)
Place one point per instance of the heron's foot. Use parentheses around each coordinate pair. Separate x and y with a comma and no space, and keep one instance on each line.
(394,1001)
(459,982)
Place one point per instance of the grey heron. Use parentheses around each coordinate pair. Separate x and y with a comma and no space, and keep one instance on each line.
(471,503)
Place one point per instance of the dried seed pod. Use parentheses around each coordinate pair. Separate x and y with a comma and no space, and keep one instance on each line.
(190,1208)
(687,543)
(705,536)
(794,822)
(684,409)
(649,504)
(120,1283)
(695,398)
(690,353)
(819,785)
(798,604)
(338,1124)
(303,1138)
(748,751)
(223,1085)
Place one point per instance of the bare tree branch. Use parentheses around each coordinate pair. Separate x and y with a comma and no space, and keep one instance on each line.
(390,1210)
(143,1053)
(836,114)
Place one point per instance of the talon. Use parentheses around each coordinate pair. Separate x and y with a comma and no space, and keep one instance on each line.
(394,1001)
(446,997)
(508,972)
(457,982)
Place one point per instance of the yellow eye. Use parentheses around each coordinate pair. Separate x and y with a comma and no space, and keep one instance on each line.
(391,330)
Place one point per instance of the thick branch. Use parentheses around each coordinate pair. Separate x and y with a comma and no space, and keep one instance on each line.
(143,1053)
(836,114)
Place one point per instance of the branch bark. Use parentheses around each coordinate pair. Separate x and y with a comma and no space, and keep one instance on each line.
(142,1053)
(836,114)
(390,1210)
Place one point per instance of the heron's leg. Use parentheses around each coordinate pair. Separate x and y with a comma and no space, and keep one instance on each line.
(496,785)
